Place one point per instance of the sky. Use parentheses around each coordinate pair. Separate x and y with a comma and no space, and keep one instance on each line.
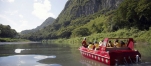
(28,14)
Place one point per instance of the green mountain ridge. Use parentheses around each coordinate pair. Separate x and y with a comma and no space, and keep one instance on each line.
(47,22)
(86,17)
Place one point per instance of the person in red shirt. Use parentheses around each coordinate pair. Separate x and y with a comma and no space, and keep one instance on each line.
(84,44)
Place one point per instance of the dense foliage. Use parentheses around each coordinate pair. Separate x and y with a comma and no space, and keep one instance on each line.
(130,14)
(134,13)
(7,32)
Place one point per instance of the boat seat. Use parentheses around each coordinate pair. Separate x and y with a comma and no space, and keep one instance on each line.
(117,48)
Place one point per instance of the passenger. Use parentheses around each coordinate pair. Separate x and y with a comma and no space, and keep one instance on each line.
(110,44)
(116,44)
(84,44)
(100,43)
(122,44)
(91,46)
(96,46)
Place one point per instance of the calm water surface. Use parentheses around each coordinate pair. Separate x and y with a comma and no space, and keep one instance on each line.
(37,54)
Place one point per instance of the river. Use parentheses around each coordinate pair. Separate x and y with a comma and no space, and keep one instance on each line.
(38,54)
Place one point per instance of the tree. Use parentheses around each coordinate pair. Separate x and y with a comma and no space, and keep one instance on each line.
(7,32)
(80,32)
(134,13)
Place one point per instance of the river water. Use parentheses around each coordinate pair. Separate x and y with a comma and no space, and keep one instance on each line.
(37,54)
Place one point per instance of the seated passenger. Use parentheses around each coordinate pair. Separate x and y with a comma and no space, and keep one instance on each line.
(110,44)
(91,46)
(96,46)
(84,44)
(100,43)
(116,44)
(123,44)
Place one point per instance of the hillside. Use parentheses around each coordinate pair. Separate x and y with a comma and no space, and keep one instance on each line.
(86,17)
(47,22)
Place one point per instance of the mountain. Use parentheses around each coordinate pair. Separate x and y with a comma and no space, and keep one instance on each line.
(80,8)
(75,14)
(47,22)
(78,13)
(86,17)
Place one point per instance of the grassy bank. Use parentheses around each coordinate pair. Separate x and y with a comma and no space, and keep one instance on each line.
(137,35)
(12,40)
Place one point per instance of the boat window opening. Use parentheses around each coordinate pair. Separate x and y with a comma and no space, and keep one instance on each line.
(118,43)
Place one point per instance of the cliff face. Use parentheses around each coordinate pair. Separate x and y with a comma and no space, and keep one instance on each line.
(78,13)
(86,7)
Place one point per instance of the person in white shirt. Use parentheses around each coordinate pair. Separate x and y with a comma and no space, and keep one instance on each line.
(100,43)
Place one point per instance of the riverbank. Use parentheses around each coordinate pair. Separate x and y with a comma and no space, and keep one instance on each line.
(137,35)
(13,40)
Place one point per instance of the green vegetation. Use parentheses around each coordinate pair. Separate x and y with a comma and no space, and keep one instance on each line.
(9,35)
(144,49)
(134,13)
(12,40)
(136,34)
(6,31)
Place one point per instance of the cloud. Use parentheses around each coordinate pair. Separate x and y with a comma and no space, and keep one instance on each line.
(23,25)
(12,12)
(42,9)
(10,1)
(21,16)
(18,26)
(8,20)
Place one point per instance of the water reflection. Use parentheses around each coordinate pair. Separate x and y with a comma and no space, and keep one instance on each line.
(48,65)
(90,62)
(19,50)
(37,54)
(44,57)
(25,60)
(2,43)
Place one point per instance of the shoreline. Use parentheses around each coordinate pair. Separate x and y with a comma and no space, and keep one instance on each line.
(30,42)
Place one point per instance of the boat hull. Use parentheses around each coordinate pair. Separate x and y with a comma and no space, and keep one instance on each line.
(115,57)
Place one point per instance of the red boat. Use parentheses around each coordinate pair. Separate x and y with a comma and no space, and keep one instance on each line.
(113,55)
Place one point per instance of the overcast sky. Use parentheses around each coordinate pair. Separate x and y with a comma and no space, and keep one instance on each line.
(28,14)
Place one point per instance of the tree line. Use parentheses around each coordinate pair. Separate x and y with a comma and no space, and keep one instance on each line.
(7,32)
